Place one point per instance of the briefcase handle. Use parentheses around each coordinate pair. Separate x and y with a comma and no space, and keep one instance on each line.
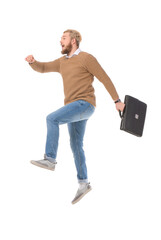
(121,114)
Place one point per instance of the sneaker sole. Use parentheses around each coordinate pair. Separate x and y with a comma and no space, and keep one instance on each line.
(40,165)
(78,199)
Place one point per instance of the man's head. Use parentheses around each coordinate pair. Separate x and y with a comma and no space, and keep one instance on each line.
(70,41)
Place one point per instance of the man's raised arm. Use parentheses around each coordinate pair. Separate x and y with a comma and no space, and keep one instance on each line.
(43,67)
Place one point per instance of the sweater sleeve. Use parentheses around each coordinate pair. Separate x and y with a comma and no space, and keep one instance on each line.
(44,67)
(96,70)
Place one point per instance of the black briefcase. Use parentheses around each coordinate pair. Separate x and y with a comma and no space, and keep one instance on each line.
(133,116)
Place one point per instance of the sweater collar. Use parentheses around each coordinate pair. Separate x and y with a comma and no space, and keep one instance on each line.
(75,53)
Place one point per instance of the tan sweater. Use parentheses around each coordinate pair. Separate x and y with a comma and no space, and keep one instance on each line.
(78,74)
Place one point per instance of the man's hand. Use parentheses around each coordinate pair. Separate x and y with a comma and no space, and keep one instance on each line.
(120,106)
(30,59)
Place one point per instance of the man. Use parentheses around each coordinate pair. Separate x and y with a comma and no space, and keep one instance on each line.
(78,70)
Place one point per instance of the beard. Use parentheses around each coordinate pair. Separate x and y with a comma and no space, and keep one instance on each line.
(67,50)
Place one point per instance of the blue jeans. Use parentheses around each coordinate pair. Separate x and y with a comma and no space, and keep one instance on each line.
(75,114)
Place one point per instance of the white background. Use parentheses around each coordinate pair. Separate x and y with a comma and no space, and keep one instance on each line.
(124,170)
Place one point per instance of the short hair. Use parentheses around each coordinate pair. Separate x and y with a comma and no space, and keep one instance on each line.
(75,34)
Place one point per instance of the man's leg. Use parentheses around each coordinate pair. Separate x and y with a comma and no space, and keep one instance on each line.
(72,112)
(76,132)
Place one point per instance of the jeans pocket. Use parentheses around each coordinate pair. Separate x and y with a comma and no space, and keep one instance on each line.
(93,108)
(88,111)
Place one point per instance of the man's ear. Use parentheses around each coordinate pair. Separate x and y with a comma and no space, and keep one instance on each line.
(73,40)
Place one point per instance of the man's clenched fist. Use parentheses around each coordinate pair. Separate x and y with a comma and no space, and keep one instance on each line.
(30,59)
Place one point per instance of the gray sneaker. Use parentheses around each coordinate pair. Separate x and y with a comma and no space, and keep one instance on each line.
(82,191)
(44,163)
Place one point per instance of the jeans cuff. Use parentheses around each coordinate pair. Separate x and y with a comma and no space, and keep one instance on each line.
(83,181)
(51,159)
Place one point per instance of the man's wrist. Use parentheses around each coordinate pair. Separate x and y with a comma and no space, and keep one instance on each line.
(118,100)
(31,62)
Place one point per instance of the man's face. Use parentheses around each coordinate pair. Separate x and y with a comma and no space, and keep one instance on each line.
(66,43)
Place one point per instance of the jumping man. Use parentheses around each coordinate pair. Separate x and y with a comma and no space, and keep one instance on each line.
(77,69)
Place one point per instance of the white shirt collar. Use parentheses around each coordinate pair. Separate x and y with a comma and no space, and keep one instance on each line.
(75,53)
